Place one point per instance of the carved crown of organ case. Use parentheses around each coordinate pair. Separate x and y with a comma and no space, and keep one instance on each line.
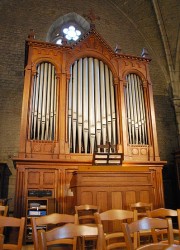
(79,96)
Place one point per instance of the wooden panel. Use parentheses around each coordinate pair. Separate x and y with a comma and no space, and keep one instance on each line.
(145,196)
(130,197)
(48,179)
(86,197)
(118,189)
(51,205)
(102,200)
(34,178)
(116,200)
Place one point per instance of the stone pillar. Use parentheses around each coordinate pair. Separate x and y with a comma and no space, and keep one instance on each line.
(176,102)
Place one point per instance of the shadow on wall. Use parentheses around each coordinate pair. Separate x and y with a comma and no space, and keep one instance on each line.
(4,182)
(170,186)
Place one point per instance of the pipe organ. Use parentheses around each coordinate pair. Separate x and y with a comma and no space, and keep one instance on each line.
(76,98)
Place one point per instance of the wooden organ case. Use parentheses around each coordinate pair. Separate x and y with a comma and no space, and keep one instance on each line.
(77,97)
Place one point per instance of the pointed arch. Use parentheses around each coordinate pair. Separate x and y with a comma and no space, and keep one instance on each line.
(55,31)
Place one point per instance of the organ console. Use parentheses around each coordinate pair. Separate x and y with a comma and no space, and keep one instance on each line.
(77,97)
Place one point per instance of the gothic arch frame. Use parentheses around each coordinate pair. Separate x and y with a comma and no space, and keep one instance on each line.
(70,18)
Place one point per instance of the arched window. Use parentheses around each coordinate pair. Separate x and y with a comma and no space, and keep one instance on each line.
(70,26)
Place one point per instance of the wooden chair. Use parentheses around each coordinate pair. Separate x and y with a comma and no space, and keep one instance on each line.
(3,212)
(13,223)
(164,213)
(146,224)
(68,234)
(159,246)
(85,215)
(112,225)
(173,247)
(1,241)
(48,221)
(142,208)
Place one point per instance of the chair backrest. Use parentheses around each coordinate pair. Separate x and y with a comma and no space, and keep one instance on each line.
(68,234)
(1,241)
(85,213)
(146,224)
(162,213)
(3,212)
(173,247)
(13,223)
(165,213)
(142,208)
(157,246)
(116,216)
(112,225)
(51,220)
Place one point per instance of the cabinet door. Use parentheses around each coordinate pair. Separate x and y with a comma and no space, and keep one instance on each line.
(41,178)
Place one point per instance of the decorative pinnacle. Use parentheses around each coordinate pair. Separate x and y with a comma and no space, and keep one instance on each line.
(117,49)
(31,34)
(145,53)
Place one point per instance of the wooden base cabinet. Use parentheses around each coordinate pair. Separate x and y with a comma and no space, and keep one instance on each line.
(117,187)
(43,179)
(67,185)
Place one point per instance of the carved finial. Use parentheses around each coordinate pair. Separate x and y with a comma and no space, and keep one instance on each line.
(144,53)
(91,16)
(31,34)
(117,49)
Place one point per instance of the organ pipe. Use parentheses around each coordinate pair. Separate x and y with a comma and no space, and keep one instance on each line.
(79,102)
(135,109)
(43,103)
(92,105)
(74,107)
(97,102)
(85,104)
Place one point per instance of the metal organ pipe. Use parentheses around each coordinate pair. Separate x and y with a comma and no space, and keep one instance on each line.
(48,103)
(92,105)
(103,104)
(52,108)
(113,110)
(97,102)
(70,111)
(74,106)
(43,99)
(108,103)
(85,104)
(79,102)
(136,113)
